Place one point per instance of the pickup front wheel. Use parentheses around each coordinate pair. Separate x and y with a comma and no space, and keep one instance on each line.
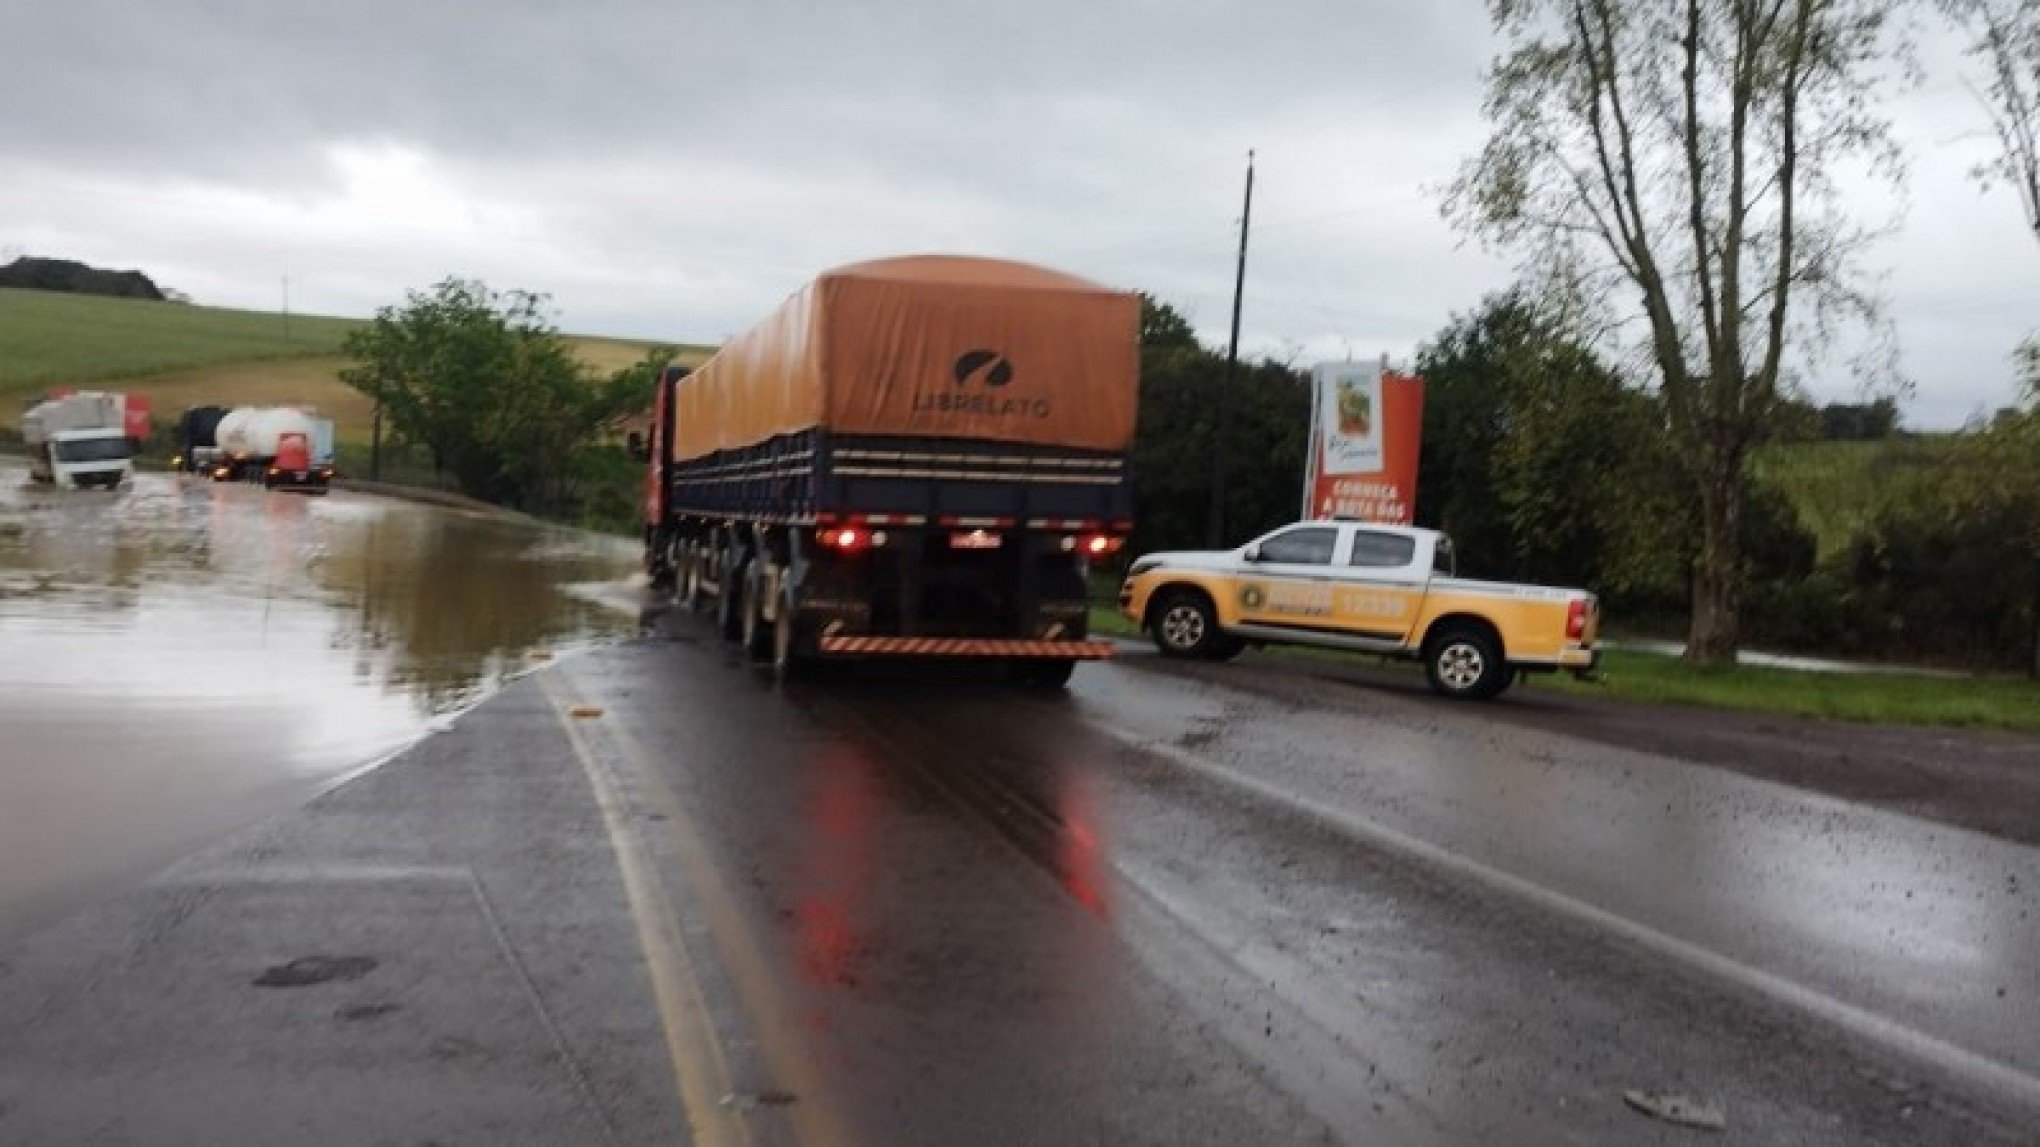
(1186,626)
(1466,663)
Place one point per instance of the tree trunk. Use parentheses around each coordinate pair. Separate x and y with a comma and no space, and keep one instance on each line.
(2034,668)
(1717,572)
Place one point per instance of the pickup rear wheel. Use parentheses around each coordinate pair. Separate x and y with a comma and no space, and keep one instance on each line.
(1185,625)
(1466,663)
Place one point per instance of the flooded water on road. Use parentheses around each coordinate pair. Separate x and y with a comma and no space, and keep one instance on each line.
(182,657)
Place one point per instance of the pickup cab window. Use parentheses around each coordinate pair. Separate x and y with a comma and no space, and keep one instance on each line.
(1444,559)
(1311,546)
(1382,551)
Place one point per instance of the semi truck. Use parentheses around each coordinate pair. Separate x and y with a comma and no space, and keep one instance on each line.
(198,445)
(912,457)
(281,447)
(80,439)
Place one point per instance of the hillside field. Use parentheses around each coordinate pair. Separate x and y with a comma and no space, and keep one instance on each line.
(1839,487)
(183,356)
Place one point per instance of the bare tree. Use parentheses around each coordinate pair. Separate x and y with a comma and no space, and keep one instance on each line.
(2008,42)
(1677,161)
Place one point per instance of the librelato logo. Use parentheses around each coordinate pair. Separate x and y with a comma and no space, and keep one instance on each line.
(988,366)
(981,374)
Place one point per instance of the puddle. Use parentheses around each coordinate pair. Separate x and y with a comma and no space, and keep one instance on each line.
(181,657)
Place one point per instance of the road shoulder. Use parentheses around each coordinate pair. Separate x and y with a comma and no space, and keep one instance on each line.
(439,950)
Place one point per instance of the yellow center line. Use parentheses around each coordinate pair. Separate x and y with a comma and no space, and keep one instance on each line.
(815,1116)
(700,1068)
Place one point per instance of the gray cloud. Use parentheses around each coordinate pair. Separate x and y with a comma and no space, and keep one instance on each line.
(673,169)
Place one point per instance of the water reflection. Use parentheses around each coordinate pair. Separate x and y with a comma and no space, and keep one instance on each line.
(221,650)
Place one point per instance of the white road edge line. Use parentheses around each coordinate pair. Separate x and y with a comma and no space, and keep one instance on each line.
(1972,1065)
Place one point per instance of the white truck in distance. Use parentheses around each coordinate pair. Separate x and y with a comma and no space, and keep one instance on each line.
(79,440)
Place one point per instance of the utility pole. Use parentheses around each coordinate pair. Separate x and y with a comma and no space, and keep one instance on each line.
(286,308)
(375,439)
(1222,415)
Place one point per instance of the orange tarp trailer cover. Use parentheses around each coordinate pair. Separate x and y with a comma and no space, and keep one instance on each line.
(928,346)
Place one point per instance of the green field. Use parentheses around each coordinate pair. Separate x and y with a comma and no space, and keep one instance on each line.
(50,339)
(183,356)
(1840,487)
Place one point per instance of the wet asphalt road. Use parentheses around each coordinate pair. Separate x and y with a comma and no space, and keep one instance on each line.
(1163,909)
(647,896)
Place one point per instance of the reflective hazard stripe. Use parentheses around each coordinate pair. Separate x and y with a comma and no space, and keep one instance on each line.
(963,647)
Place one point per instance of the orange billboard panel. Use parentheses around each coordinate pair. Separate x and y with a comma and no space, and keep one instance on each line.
(1367,427)
(926,347)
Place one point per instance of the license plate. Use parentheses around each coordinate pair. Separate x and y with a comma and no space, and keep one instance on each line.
(974,540)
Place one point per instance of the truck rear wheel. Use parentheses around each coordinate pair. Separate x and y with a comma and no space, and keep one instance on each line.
(659,553)
(1466,664)
(789,661)
(694,577)
(1048,673)
(757,636)
(729,602)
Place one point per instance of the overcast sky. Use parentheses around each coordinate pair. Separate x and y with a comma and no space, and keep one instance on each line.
(671,170)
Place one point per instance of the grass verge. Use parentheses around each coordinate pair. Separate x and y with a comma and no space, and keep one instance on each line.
(1656,679)
(1869,698)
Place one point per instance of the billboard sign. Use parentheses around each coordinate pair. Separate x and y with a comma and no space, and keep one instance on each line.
(1367,427)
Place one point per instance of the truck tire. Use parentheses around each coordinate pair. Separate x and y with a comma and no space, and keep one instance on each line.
(659,552)
(789,661)
(1048,674)
(756,639)
(1185,625)
(1466,664)
(694,578)
(729,600)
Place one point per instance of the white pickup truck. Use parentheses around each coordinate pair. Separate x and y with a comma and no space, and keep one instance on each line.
(1376,589)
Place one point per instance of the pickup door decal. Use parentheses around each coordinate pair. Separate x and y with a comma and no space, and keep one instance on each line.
(1331,606)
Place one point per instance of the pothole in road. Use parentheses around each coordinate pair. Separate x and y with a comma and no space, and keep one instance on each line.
(311,970)
(746,1101)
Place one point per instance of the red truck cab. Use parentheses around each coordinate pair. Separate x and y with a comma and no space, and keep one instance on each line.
(292,468)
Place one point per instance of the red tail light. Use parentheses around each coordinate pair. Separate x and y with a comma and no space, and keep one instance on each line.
(1099,545)
(845,539)
(1576,618)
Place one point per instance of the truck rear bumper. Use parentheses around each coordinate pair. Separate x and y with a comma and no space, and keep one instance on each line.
(857,646)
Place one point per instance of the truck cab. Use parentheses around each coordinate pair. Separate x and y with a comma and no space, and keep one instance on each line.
(294,468)
(1391,590)
(101,456)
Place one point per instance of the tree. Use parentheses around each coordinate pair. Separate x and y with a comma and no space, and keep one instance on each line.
(1677,160)
(1182,384)
(1537,459)
(1859,422)
(2008,479)
(484,382)
(2008,41)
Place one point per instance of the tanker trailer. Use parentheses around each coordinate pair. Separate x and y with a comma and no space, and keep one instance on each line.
(254,441)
